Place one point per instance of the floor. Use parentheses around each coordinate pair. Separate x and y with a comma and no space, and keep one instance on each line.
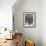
(16,41)
(9,43)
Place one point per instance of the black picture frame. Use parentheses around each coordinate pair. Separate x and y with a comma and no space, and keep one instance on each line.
(29,19)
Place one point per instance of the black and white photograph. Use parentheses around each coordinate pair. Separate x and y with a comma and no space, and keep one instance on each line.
(29,19)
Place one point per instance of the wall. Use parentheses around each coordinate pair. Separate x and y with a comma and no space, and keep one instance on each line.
(31,6)
(43,22)
(6,13)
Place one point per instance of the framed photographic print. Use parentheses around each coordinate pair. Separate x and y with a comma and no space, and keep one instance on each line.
(29,19)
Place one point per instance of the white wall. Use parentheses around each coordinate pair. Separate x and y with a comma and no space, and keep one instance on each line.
(38,34)
(31,6)
(43,22)
(6,13)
